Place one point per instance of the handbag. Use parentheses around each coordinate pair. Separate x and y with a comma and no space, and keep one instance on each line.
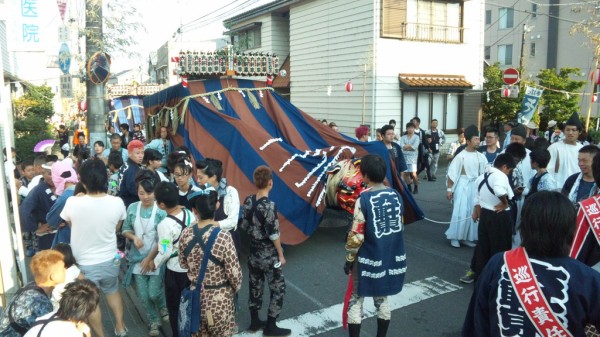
(190,303)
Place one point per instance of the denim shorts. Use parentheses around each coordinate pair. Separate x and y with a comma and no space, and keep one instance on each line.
(105,275)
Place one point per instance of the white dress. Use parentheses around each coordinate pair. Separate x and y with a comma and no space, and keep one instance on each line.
(463,171)
(566,155)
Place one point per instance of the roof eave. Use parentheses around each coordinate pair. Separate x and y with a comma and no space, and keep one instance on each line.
(267,8)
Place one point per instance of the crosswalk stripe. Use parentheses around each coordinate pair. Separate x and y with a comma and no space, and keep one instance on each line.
(323,320)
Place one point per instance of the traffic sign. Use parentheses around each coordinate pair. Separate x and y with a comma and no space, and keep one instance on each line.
(510,76)
(64,58)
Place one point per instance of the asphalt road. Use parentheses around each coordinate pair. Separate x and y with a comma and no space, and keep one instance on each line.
(433,302)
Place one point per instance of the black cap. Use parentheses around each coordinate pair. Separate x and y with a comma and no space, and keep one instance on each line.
(519,130)
(574,120)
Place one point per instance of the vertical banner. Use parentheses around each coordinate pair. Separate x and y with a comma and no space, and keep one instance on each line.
(529,104)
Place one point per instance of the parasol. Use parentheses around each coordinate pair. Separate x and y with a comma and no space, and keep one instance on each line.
(43,145)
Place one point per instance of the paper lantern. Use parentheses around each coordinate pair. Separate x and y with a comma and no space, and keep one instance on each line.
(269,80)
(184,81)
(596,76)
(505,92)
(82,105)
(594,98)
(349,86)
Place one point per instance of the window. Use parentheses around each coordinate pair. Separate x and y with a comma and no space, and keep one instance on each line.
(506,17)
(427,106)
(247,39)
(532,49)
(505,54)
(487,54)
(488,16)
(423,20)
(534,8)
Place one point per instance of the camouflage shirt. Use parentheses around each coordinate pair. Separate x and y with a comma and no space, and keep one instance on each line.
(26,308)
(260,222)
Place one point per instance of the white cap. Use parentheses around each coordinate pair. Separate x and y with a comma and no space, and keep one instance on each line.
(552,123)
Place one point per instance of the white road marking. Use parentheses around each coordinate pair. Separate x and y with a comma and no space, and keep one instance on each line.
(323,320)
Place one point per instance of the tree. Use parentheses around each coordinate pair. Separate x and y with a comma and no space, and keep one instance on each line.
(555,104)
(31,112)
(497,108)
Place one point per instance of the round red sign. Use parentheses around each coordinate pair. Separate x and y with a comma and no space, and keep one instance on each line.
(510,76)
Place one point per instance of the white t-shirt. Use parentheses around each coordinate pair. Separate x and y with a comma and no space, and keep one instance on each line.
(169,231)
(71,275)
(93,227)
(55,328)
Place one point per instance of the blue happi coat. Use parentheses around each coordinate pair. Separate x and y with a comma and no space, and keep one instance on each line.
(571,288)
(381,258)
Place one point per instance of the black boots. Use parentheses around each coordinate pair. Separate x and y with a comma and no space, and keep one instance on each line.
(354,330)
(272,330)
(255,323)
(416,189)
(382,327)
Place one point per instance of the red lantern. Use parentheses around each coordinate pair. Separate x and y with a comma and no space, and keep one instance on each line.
(269,80)
(596,76)
(349,86)
(505,92)
(82,105)
(184,81)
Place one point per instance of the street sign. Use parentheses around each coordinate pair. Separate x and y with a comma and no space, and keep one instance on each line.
(510,76)
(64,58)
(66,86)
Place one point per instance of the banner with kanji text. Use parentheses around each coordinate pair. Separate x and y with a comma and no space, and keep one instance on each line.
(529,104)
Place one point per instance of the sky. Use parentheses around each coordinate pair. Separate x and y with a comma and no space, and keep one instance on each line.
(162,19)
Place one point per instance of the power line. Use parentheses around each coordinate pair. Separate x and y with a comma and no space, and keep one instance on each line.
(509,32)
(536,13)
(501,16)
(206,19)
(206,15)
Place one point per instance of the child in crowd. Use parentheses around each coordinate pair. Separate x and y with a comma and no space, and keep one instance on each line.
(221,281)
(114,163)
(169,231)
(73,273)
(138,134)
(28,174)
(153,162)
(542,179)
(33,300)
(266,255)
(140,228)
(183,173)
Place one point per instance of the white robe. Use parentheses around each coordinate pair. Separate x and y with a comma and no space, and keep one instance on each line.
(566,155)
(462,226)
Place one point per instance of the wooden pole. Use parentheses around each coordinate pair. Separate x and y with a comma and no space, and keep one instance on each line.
(589,113)
(364,100)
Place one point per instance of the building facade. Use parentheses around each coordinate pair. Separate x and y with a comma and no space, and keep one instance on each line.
(538,35)
(404,58)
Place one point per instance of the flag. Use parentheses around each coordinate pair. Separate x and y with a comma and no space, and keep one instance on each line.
(529,104)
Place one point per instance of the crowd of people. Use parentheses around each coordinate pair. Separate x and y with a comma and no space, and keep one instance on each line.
(176,222)
(154,207)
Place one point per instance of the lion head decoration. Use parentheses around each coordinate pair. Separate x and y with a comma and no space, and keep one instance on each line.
(344,184)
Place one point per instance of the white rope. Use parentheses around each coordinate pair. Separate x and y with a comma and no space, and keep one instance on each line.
(446,222)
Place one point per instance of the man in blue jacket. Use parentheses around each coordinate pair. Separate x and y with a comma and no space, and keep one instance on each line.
(128,190)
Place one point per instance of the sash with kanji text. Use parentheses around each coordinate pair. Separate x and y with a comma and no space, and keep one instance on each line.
(588,220)
(530,295)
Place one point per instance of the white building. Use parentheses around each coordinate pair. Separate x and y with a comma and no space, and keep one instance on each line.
(537,35)
(422,58)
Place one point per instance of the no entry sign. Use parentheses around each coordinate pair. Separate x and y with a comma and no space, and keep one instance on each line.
(510,76)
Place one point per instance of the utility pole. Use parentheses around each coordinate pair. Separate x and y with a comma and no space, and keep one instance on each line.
(589,113)
(95,92)
(522,58)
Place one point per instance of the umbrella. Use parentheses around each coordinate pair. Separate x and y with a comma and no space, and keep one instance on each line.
(43,145)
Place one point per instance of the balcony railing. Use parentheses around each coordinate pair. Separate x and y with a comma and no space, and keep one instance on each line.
(432,33)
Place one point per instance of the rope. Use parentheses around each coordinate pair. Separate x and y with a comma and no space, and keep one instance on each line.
(446,222)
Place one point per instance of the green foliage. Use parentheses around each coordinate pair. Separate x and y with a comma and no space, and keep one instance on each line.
(558,105)
(31,113)
(497,109)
